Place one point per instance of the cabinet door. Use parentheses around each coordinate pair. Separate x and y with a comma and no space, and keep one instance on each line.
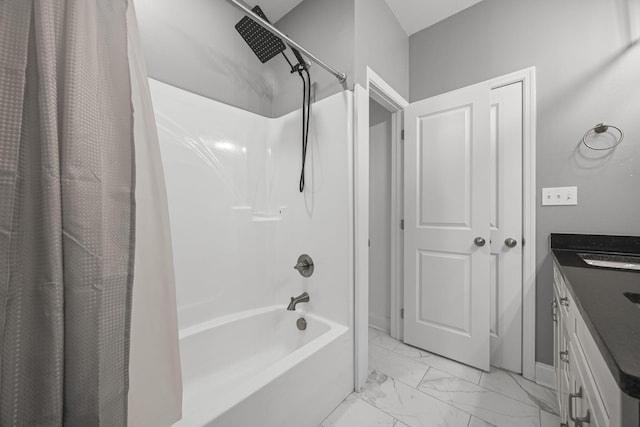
(566,379)
(560,345)
(555,315)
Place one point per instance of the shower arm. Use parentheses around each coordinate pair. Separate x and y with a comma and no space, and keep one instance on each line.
(342,77)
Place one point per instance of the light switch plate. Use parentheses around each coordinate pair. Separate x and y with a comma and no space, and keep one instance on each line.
(560,196)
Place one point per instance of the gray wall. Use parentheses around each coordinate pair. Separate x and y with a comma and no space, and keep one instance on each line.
(379,216)
(348,35)
(382,44)
(194,46)
(587,72)
(326,29)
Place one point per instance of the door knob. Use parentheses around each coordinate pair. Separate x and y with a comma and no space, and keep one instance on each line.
(510,243)
(479,241)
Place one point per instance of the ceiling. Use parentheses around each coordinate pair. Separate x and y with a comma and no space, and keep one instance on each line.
(413,15)
(275,9)
(416,15)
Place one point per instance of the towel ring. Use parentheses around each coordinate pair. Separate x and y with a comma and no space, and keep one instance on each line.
(601,128)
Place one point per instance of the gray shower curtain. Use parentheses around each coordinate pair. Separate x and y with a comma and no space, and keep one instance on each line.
(66,212)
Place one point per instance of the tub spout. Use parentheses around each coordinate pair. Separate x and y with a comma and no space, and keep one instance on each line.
(304,297)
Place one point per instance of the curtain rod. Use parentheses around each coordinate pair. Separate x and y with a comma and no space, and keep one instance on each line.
(342,77)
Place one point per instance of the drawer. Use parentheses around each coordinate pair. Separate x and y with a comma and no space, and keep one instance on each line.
(566,304)
(561,288)
(558,282)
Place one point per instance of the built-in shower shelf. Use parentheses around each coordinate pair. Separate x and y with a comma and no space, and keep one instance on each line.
(265,217)
(257,216)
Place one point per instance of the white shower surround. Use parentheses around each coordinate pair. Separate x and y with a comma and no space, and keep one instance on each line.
(239,224)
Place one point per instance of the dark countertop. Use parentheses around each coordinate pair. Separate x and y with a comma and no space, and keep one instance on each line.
(612,319)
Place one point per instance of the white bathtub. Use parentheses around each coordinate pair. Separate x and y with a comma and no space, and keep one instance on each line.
(256,368)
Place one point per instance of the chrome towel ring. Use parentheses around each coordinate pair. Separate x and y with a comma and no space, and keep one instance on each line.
(602,128)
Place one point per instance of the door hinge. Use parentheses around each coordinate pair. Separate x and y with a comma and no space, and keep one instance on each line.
(402,313)
(402,134)
(402,224)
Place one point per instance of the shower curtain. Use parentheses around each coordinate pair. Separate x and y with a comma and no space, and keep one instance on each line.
(155,390)
(68,221)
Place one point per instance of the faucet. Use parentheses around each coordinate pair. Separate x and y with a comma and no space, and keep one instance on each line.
(304,297)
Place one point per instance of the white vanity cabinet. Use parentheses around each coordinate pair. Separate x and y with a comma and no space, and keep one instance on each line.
(563,361)
(587,392)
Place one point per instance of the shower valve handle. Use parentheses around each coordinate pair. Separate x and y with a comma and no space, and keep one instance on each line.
(301,265)
(304,265)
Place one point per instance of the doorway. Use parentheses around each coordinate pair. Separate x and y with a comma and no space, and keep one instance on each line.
(384,95)
(380,150)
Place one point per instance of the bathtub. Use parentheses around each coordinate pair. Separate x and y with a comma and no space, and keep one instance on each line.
(256,368)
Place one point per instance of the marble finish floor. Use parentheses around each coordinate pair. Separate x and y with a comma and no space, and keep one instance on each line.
(411,387)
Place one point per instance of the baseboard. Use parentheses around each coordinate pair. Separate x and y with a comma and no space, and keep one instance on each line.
(380,322)
(545,375)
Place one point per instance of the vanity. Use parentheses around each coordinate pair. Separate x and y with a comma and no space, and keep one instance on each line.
(596,315)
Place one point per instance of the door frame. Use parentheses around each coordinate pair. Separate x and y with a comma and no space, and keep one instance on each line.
(382,92)
(386,96)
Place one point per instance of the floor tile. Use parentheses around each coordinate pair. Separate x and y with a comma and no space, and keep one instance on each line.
(545,398)
(354,411)
(441,363)
(410,387)
(517,387)
(396,366)
(373,332)
(549,420)
(410,406)
(480,402)
(413,353)
(477,422)
(382,339)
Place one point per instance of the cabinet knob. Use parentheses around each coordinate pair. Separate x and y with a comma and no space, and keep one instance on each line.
(510,243)
(564,356)
(564,301)
(479,241)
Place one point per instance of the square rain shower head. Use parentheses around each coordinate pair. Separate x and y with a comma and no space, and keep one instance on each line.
(264,44)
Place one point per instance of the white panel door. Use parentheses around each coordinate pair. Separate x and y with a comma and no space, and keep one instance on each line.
(506,223)
(447,207)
